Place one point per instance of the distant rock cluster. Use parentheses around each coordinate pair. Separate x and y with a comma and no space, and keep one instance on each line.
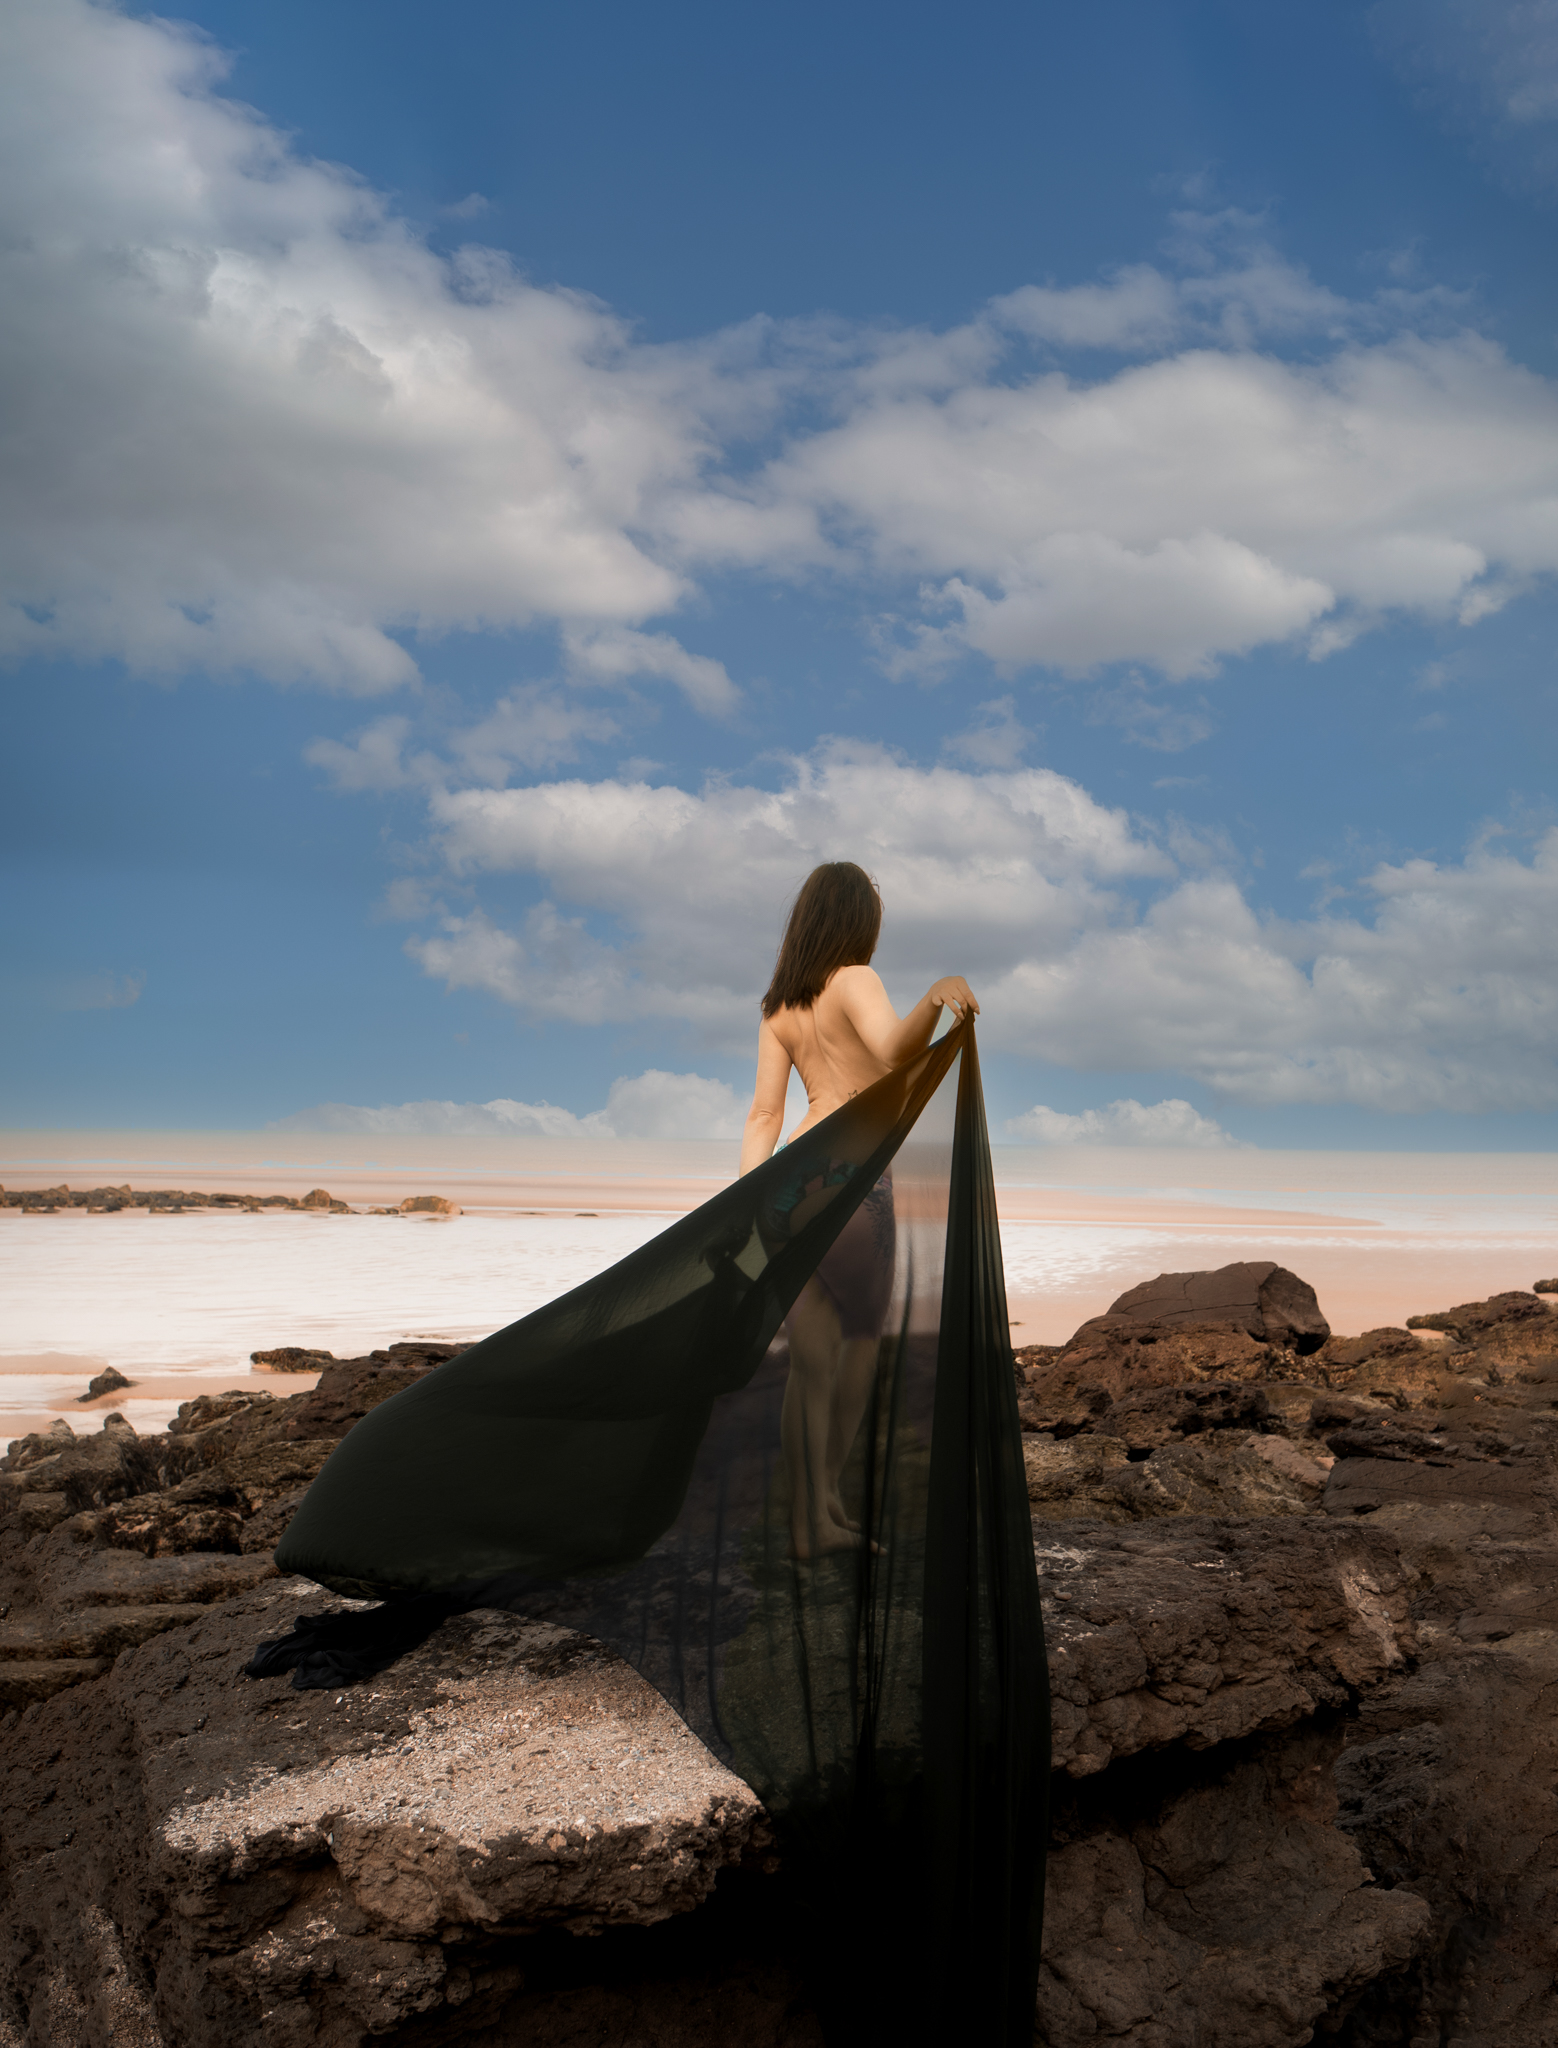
(104,1201)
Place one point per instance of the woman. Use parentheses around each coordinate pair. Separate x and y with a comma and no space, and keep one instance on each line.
(827,1015)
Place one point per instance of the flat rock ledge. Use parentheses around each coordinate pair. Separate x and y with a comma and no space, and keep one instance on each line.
(222,1858)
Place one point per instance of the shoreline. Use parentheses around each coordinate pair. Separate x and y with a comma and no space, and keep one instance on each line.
(178,1303)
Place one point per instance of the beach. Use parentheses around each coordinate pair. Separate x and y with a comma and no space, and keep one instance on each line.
(177,1302)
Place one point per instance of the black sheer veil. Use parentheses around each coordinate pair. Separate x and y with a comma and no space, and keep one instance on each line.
(622,1461)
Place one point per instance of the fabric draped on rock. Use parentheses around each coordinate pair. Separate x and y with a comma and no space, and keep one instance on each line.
(669,1458)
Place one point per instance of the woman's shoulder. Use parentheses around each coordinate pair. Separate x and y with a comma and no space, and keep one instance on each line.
(847,981)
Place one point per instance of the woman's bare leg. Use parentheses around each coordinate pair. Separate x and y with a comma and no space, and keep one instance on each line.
(806,1425)
(852,1384)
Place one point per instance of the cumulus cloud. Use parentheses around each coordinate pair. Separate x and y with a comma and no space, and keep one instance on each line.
(1444,997)
(266,426)
(653,1105)
(614,653)
(672,902)
(1126,1122)
(1196,506)
(269,429)
(1090,942)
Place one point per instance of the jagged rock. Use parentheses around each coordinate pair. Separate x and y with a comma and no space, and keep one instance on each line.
(1544,1286)
(1102,1365)
(1474,1319)
(1206,1667)
(86,1471)
(1095,1477)
(1225,1474)
(1273,1305)
(1230,1915)
(348,1388)
(1330,1411)
(1067,1479)
(1162,1415)
(292,1358)
(1201,1632)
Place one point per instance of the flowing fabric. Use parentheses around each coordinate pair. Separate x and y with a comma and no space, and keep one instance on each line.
(669,1458)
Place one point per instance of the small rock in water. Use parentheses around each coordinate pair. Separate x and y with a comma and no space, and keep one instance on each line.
(292,1358)
(1545,1287)
(429,1205)
(109,1381)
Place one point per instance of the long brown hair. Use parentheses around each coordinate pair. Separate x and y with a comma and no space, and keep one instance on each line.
(835,923)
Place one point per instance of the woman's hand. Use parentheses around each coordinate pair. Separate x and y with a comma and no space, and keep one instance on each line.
(954,991)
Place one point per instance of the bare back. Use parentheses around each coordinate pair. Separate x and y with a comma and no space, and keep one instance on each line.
(850,1037)
(826,1050)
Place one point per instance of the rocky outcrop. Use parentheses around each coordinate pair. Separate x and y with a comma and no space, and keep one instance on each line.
(1301,1621)
(1260,1297)
(1246,1323)
(1210,1631)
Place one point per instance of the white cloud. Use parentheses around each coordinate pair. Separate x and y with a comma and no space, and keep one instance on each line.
(268,428)
(1089,943)
(692,888)
(1166,727)
(611,654)
(1197,506)
(1445,998)
(1126,1122)
(649,1105)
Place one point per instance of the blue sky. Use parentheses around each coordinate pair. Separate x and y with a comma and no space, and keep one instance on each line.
(494,494)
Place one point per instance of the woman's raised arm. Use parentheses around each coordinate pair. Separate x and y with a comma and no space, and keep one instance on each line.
(891,1038)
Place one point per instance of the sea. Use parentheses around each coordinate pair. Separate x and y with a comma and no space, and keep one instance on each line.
(177,1303)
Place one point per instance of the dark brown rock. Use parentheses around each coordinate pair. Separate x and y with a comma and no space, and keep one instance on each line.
(1265,1299)
(1160,1415)
(110,1381)
(1105,1362)
(348,1388)
(1231,1913)
(292,1358)
(1474,1319)
(1205,1632)
(1095,1477)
